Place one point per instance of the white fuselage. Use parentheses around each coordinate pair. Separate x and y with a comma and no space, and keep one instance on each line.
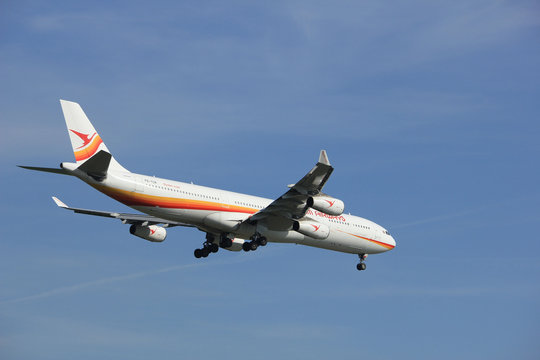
(219,211)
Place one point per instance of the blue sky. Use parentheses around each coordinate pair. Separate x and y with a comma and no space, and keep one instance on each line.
(429,112)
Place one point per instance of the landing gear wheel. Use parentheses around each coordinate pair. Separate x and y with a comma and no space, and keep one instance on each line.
(246,246)
(205,252)
(226,243)
(253,246)
(198,253)
(214,248)
(361,266)
(263,241)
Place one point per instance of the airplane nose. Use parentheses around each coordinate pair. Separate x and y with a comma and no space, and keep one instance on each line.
(392,241)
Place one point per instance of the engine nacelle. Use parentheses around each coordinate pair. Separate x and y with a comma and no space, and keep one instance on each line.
(151,233)
(312,229)
(327,205)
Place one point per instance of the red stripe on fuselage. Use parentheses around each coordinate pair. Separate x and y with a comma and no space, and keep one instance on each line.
(383,244)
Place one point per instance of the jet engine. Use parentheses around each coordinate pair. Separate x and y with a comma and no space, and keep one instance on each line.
(151,233)
(312,229)
(327,205)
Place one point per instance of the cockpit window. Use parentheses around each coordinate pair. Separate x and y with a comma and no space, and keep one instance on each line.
(386,232)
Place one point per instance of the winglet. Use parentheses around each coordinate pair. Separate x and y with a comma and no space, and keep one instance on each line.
(59,203)
(323,158)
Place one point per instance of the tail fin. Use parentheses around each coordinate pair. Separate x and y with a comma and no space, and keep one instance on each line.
(85,140)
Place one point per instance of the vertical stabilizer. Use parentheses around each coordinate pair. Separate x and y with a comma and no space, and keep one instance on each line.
(85,140)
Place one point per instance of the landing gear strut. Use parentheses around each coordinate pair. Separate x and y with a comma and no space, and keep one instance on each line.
(225,242)
(362,265)
(256,241)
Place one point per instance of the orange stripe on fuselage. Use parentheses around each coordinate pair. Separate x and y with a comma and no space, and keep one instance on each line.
(130,198)
(383,244)
(89,150)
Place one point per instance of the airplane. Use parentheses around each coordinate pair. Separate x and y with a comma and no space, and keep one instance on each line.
(232,221)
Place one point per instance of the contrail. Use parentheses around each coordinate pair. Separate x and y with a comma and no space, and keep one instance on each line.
(436,218)
(109,280)
(113,279)
(461,213)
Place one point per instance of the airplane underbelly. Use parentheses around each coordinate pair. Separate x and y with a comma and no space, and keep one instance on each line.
(194,217)
(340,241)
(281,236)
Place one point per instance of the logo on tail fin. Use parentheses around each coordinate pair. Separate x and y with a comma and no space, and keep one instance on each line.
(89,147)
(84,137)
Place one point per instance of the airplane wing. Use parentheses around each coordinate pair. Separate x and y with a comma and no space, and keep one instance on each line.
(141,219)
(293,204)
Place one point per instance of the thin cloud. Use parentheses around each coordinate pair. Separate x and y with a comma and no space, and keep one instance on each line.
(88,284)
(466,212)
(115,279)
(433,291)
(436,218)
(444,291)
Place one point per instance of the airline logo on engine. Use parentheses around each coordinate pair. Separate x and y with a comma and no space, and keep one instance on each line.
(331,202)
(321,214)
(316,227)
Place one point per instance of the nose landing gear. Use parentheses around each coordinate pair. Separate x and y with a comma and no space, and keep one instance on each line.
(362,265)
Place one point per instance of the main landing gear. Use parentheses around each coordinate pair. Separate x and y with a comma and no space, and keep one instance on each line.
(225,242)
(362,265)
(256,241)
(210,246)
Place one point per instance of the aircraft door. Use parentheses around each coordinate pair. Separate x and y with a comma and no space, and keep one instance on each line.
(224,200)
(139,184)
(134,182)
(376,234)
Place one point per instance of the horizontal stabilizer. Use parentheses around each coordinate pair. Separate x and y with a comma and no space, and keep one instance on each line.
(97,165)
(44,169)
